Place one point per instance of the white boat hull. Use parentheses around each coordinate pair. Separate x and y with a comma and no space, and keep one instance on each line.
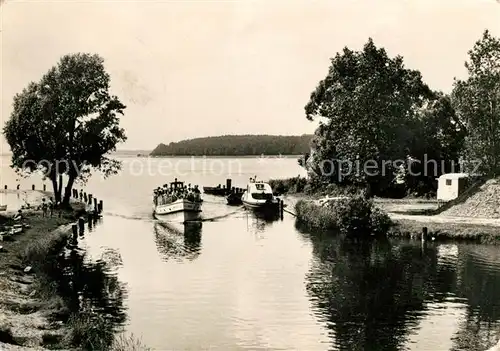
(180,211)
(254,204)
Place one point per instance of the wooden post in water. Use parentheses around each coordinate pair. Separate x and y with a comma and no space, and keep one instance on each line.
(100,206)
(74,228)
(81,224)
(33,187)
(282,208)
(95,204)
(18,186)
(424,233)
(5,187)
(85,198)
(90,199)
(228,185)
(44,187)
(90,220)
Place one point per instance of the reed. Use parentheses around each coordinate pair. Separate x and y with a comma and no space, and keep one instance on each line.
(128,343)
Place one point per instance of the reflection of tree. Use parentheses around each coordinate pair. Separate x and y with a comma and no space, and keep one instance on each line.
(174,243)
(88,288)
(480,285)
(371,292)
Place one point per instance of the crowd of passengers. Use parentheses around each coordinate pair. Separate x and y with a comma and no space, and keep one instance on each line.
(166,194)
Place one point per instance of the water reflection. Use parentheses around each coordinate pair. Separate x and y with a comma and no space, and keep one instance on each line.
(260,221)
(182,242)
(89,289)
(373,295)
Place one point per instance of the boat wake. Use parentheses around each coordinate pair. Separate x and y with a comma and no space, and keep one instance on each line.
(144,217)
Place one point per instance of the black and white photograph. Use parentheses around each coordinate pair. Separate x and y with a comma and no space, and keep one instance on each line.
(250,175)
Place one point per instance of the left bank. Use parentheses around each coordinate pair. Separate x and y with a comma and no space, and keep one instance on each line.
(29,302)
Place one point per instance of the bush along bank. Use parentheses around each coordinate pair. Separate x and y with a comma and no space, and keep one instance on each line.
(52,296)
(355,217)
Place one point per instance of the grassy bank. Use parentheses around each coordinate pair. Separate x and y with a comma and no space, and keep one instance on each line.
(360,218)
(39,300)
(482,234)
(355,217)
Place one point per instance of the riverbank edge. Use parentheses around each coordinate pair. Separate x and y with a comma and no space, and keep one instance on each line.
(409,228)
(449,231)
(27,299)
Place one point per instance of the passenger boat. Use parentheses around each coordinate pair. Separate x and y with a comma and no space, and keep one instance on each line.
(3,208)
(259,196)
(177,203)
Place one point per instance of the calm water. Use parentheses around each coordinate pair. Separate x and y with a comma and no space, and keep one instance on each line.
(244,283)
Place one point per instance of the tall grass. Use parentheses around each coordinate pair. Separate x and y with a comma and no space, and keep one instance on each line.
(128,343)
(288,185)
(354,217)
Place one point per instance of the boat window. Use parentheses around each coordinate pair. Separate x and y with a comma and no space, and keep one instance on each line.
(259,186)
(262,196)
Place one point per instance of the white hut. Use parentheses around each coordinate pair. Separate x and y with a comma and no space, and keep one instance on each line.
(451,186)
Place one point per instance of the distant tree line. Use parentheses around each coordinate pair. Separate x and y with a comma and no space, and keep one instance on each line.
(237,145)
(375,110)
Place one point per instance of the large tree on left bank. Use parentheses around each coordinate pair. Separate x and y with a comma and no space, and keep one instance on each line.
(66,124)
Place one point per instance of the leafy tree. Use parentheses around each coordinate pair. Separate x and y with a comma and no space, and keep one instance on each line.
(369,104)
(66,123)
(437,145)
(477,101)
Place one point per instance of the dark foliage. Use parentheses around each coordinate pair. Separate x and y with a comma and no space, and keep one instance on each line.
(237,145)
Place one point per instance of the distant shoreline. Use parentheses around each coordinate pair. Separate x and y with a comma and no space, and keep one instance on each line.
(226,156)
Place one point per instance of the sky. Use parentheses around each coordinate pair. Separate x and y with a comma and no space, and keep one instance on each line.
(198,68)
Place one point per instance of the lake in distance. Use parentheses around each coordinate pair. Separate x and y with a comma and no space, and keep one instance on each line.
(245,283)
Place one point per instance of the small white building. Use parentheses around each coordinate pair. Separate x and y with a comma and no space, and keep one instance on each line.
(451,186)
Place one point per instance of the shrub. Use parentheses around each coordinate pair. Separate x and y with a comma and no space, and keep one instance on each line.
(354,216)
(315,217)
(289,185)
(90,331)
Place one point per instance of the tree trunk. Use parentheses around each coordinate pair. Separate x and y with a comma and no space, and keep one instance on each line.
(57,192)
(67,190)
(60,186)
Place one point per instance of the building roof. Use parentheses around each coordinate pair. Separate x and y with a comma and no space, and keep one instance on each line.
(454,176)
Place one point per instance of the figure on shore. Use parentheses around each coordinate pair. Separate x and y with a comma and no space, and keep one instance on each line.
(19,216)
(51,207)
(44,208)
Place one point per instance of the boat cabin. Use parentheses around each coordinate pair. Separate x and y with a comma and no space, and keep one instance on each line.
(260,191)
(176,184)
